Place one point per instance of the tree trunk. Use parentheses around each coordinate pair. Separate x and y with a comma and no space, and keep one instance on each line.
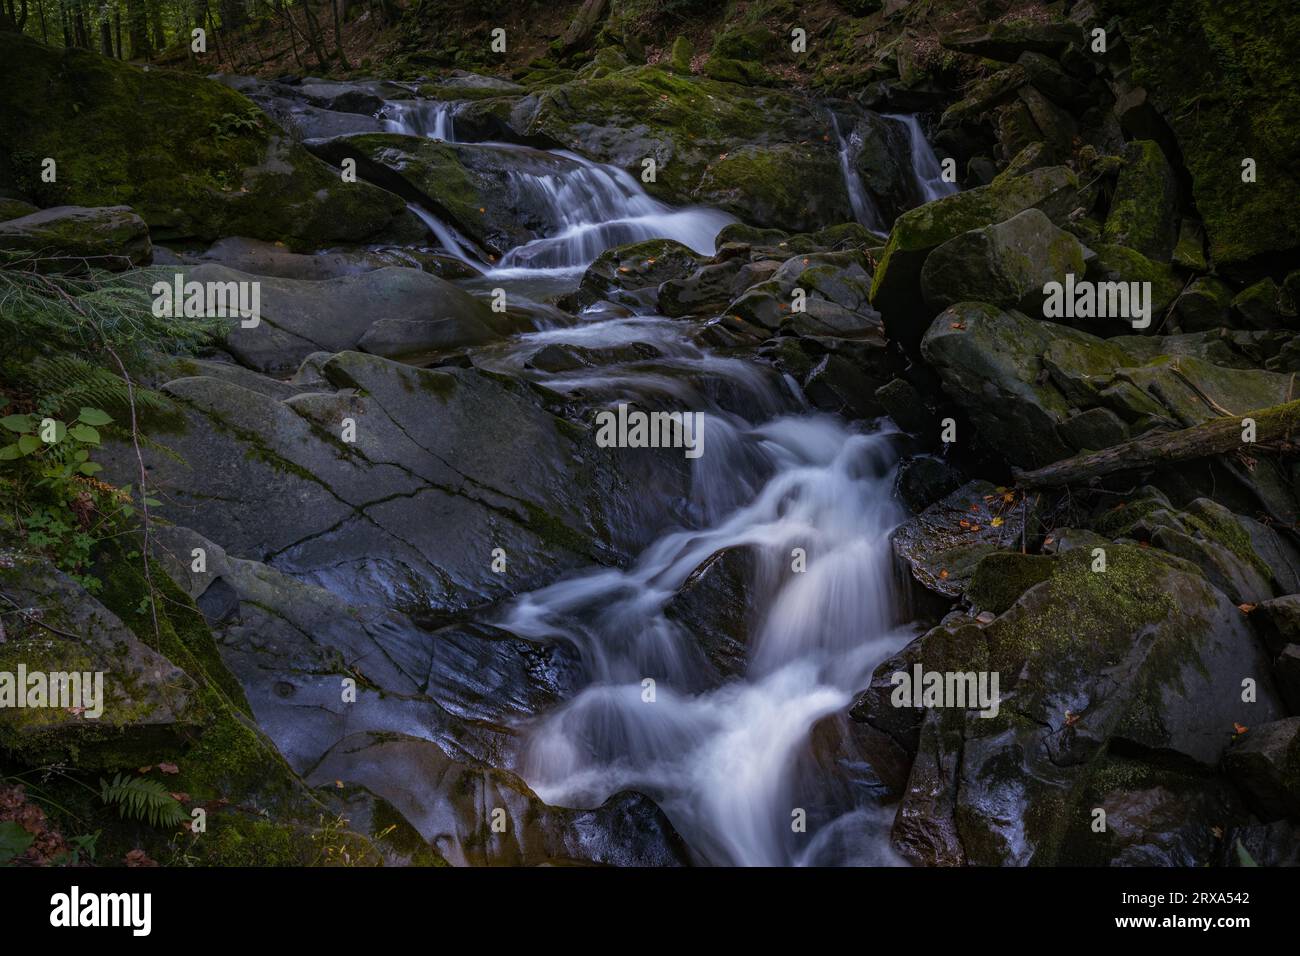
(1216,437)
(340,8)
(137,29)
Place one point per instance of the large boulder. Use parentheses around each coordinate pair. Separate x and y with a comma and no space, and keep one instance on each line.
(1144,210)
(1005,264)
(106,237)
(394,312)
(446,465)
(1221,75)
(496,195)
(1039,391)
(1112,684)
(895,289)
(113,132)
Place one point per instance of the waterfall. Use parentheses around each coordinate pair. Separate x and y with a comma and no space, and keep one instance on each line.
(730,759)
(427,118)
(726,759)
(864,207)
(592,207)
(452,241)
(926,172)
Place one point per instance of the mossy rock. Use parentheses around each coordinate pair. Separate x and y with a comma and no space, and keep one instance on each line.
(785,185)
(1000,578)
(193,158)
(895,291)
(1223,75)
(1141,658)
(1144,211)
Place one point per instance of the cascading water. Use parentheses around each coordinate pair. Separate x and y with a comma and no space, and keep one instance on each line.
(724,758)
(428,118)
(594,207)
(729,758)
(926,170)
(865,210)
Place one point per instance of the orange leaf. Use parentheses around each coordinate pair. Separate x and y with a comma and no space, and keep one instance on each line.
(1239,728)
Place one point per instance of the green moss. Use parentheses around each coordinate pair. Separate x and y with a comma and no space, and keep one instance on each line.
(1083,616)
(1224,75)
(1000,578)
(193,158)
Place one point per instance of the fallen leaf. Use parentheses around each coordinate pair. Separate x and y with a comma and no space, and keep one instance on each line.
(959,326)
(1239,728)
(996,522)
(170,768)
(943,574)
(1245,608)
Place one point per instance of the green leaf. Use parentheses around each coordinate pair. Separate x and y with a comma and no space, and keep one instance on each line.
(14,841)
(10,453)
(90,467)
(81,455)
(93,416)
(16,423)
(153,502)
(1243,856)
(28,444)
(85,434)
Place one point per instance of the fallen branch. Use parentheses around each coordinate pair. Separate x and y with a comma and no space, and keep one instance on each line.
(1216,437)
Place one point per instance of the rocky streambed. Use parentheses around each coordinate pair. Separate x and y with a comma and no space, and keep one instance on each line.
(406,586)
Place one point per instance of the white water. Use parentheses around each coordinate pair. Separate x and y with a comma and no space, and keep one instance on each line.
(594,207)
(926,171)
(727,761)
(865,210)
(428,118)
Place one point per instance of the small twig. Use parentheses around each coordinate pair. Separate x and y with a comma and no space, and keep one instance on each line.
(144,492)
(33,619)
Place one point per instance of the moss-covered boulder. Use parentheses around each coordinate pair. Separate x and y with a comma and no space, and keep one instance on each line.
(141,700)
(895,290)
(1005,264)
(633,273)
(1223,76)
(1144,660)
(106,237)
(1144,210)
(691,126)
(192,157)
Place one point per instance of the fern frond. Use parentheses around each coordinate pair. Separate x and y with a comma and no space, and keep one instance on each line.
(141,799)
(69,382)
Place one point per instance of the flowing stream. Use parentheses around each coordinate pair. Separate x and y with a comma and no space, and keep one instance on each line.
(926,170)
(730,758)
